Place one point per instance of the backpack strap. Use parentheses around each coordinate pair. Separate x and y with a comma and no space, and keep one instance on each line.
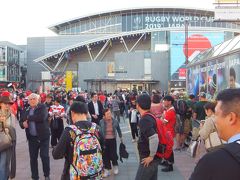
(233,149)
(93,128)
(150,114)
(75,129)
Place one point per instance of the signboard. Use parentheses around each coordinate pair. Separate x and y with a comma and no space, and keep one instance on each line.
(46,75)
(159,20)
(228,14)
(182,73)
(226,1)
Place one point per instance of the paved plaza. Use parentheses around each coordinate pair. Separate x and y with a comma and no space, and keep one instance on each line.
(183,166)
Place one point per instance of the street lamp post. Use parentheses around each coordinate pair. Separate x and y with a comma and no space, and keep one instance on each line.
(186,42)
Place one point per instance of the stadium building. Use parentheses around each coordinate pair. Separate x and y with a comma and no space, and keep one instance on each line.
(141,48)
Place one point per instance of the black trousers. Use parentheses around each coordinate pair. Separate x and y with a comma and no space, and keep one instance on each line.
(35,145)
(134,130)
(147,173)
(110,153)
(56,133)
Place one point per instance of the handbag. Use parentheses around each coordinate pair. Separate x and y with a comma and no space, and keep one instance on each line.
(214,140)
(5,139)
(193,147)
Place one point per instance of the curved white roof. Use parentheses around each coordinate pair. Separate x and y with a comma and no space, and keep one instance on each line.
(105,13)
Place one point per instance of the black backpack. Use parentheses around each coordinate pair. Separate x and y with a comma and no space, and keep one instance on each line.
(233,149)
(181,107)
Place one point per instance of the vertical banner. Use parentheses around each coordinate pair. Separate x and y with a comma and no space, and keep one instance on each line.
(203,82)
(193,80)
(212,80)
(110,69)
(234,71)
(222,74)
(68,80)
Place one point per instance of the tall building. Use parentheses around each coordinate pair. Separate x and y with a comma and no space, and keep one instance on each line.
(10,55)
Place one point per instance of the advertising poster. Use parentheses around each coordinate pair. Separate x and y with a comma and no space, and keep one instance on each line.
(234,71)
(193,80)
(222,74)
(197,42)
(203,81)
(212,80)
(68,80)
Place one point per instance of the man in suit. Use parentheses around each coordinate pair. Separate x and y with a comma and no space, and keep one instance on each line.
(35,123)
(95,109)
(223,163)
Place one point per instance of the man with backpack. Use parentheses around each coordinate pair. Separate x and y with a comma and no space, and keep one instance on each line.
(80,144)
(183,115)
(223,163)
(147,142)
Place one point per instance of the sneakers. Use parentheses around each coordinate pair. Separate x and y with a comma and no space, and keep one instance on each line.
(106,173)
(134,140)
(115,170)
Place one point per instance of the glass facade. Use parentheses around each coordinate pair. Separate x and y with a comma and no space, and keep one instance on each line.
(9,64)
(143,19)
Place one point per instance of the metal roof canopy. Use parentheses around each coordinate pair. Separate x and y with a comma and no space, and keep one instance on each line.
(56,27)
(125,34)
(223,49)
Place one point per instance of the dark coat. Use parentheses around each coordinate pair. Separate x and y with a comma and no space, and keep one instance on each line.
(40,117)
(218,165)
(92,111)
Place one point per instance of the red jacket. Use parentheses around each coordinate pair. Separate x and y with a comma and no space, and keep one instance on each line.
(170,116)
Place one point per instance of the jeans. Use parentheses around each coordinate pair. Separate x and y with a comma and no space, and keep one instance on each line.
(110,153)
(147,173)
(4,165)
(35,145)
(116,114)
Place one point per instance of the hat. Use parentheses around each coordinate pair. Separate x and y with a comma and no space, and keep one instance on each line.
(6,98)
(175,93)
(202,94)
(122,151)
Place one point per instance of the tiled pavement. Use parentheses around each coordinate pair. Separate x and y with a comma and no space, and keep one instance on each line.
(127,170)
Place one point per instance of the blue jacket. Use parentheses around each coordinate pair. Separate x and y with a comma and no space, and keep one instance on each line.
(115,126)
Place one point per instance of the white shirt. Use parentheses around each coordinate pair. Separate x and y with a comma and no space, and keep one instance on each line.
(95,104)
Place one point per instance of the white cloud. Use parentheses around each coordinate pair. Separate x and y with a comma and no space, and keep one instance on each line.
(28,18)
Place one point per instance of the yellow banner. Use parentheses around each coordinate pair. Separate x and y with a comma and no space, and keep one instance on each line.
(68,80)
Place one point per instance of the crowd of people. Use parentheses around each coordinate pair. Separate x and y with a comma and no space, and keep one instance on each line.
(83,128)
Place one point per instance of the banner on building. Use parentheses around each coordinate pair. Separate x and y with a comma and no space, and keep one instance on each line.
(182,73)
(212,80)
(68,80)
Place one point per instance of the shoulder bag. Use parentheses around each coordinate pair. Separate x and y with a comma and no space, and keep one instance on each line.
(214,140)
(5,138)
